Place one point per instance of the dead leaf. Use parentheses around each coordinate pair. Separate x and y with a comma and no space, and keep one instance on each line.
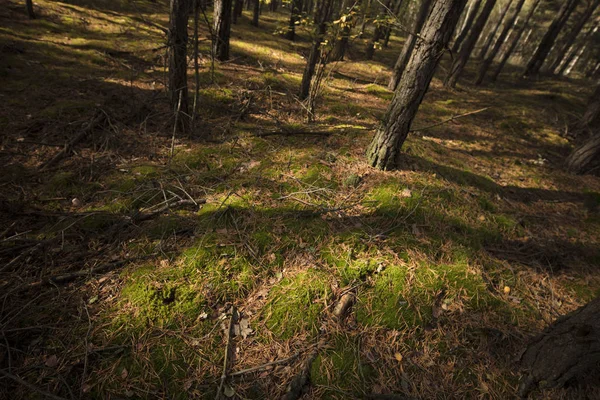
(405,193)
(245,329)
(124,373)
(398,357)
(52,361)
(228,391)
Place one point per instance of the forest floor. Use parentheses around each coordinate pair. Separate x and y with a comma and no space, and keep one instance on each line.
(473,246)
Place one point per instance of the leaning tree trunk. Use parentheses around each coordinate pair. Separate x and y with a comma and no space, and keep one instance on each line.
(222,29)
(508,25)
(586,157)
(573,35)
(256,13)
(388,30)
(29,8)
(492,35)
(409,45)
(515,41)
(565,350)
(591,117)
(466,26)
(322,16)
(178,40)
(569,62)
(467,48)
(384,150)
(295,11)
(536,62)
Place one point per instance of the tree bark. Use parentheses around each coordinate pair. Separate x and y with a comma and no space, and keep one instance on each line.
(178,40)
(409,45)
(572,36)
(29,9)
(536,62)
(256,13)
(571,60)
(322,16)
(466,26)
(515,41)
(238,6)
(295,11)
(341,42)
(510,22)
(467,48)
(565,350)
(222,29)
(378,33)
(490,39)
(388,29)
(384,150)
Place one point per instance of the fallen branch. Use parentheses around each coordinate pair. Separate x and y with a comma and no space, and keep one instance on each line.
(449,120)
(228,352)
(296,387)
(30,386)
(141,216)
(266,365)
(292,133)
(99,119)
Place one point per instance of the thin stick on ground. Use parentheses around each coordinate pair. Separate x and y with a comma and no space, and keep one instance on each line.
(226,359)
(450,119)
(30,386)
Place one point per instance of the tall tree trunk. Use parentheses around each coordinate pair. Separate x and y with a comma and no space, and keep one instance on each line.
(366,14)
(238,6)
(29,8)
(490,39)
(469,44)
(378,33)
(515,41)
(384,150)
(509,24)
(222,29)
(536,62)
(409,45)
(565,350)
(341,43)
(466,26)
(295,11)
(569,62)
(178,40)
(322,16)
(586,157)
(388,29)
(570,39)
(256,12)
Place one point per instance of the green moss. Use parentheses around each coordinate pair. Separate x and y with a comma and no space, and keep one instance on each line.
(146,171)
(379,91)
(296,303)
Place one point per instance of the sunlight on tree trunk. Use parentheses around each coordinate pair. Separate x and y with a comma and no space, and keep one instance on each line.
(384,150)
(178,40)
(222,29)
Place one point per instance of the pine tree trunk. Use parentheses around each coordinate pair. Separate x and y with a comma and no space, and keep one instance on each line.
(238,6)
(222,29)
(178,40)
(29,8)
(388,29)
(384,150)
(409,45)
(569,62)
(490,39)
(536,62)
(466,26)
(295,11)
(322,16)
(341,43)
(510,22)
(256,13)
(515,41)
(565,350)
(377,34)
(581,21)
(469,44)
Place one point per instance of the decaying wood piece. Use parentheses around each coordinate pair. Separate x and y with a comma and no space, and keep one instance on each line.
(565,350)
(342,307)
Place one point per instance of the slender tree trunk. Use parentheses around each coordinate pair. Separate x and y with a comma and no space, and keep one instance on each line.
(514,42)
(341,42)
(295,11)
(238,6)
(466,26)
(469,44)
(569,62)
(365,16)
(248,5)
(384,150)
(256,13)
(409,45)
(377,34)
(178,40)
(29,8)
(536,62)
(510,22)
(322,16)
(490,39)
(565,350)
(564,50)
(222,29)
(388,29)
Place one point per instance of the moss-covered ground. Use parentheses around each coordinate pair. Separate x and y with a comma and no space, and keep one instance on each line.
(475,244)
